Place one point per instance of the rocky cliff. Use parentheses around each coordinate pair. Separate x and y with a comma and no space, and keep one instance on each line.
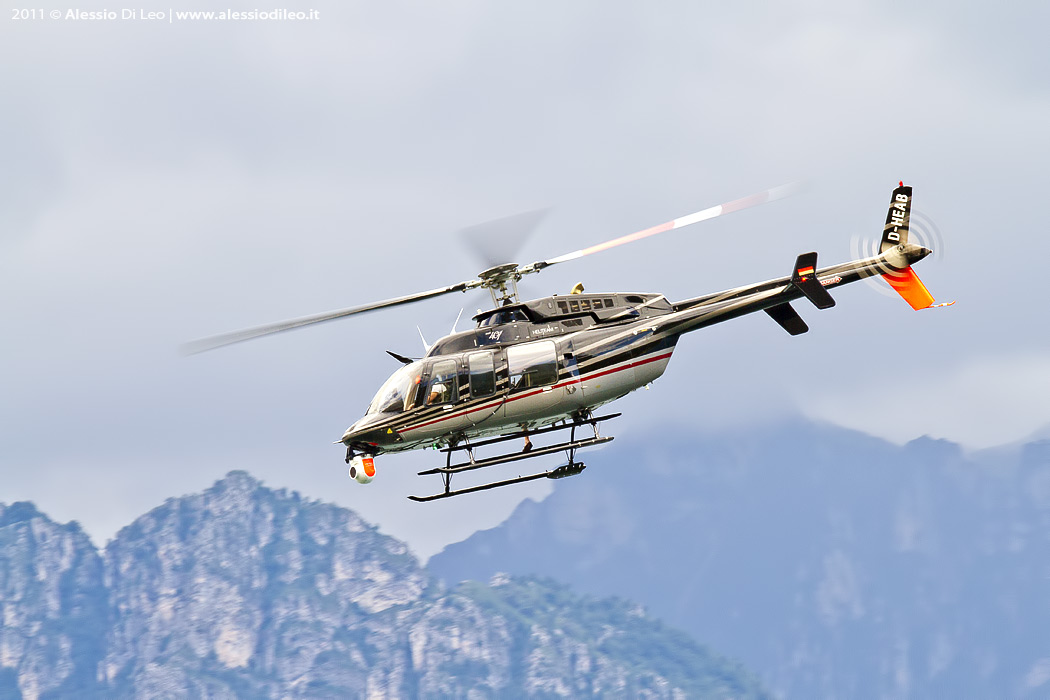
(243,591)
(54,607)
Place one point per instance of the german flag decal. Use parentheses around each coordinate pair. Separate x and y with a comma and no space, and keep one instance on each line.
(805,271)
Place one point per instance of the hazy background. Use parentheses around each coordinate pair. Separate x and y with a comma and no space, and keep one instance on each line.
(163,182)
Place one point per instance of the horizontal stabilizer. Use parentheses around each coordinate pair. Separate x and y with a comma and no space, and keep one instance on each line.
(788,319)
(400,358)
(804,277)
(910,287)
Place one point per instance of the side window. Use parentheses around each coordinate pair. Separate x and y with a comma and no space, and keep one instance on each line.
(442,387)
(482,374)
(532,364)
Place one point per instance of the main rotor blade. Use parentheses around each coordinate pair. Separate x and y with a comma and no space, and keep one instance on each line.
(219,341)
(498,241)
(709,213)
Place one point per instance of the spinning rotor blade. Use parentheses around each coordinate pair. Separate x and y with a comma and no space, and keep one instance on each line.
(499,241)
(219,341)
(488,239)
(709,213)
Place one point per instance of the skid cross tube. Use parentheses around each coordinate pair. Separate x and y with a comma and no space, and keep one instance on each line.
(503,459)
(539,431)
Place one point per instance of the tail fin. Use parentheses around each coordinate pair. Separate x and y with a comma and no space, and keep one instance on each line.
(895,232)
(910,287)
(895,235)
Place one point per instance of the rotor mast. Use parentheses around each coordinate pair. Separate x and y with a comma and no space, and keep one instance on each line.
(502,283)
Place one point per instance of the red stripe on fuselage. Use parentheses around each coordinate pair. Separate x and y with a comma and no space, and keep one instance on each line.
(540,391)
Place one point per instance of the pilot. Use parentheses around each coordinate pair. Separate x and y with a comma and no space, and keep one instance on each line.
(438,393)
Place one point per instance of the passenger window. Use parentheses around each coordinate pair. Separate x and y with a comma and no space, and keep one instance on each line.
(442,383)
(585,304)
(482,374)
(532,364)
(574,306)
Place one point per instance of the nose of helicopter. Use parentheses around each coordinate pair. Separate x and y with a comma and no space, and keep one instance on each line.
(352,433)
(365,431)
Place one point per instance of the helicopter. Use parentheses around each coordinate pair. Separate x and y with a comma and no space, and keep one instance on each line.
(546,365)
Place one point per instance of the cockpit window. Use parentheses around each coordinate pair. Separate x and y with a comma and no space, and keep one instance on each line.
(398,393)
(501,317)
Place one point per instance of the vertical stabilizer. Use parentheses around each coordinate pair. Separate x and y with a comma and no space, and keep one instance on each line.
(910,287)
(895,232)
(895,239)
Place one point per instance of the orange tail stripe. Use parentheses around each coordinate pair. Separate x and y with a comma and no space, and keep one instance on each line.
(909,286)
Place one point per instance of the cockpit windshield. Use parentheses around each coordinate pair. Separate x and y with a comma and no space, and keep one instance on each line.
(398,392)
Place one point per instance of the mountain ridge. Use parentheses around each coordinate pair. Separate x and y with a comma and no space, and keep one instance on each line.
(246,591)
(833,563)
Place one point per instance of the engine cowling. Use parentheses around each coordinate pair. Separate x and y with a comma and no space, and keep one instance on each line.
(362,469)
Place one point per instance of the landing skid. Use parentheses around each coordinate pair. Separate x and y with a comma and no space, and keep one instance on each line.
(559,473)
(571,469)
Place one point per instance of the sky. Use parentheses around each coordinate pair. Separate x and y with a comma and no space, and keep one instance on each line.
(168,180)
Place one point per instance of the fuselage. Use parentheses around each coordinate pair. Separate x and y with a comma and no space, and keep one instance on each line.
(534,363)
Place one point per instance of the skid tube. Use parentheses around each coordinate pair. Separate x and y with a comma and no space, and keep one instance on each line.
(571,469)
(522,433)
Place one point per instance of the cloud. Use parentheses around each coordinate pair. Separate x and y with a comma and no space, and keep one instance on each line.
(980,402)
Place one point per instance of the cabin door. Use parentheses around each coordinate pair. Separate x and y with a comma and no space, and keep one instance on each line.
(532,371)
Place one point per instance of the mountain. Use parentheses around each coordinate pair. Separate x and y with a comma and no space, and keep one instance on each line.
(834,564)
(54,607)
(244,591)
